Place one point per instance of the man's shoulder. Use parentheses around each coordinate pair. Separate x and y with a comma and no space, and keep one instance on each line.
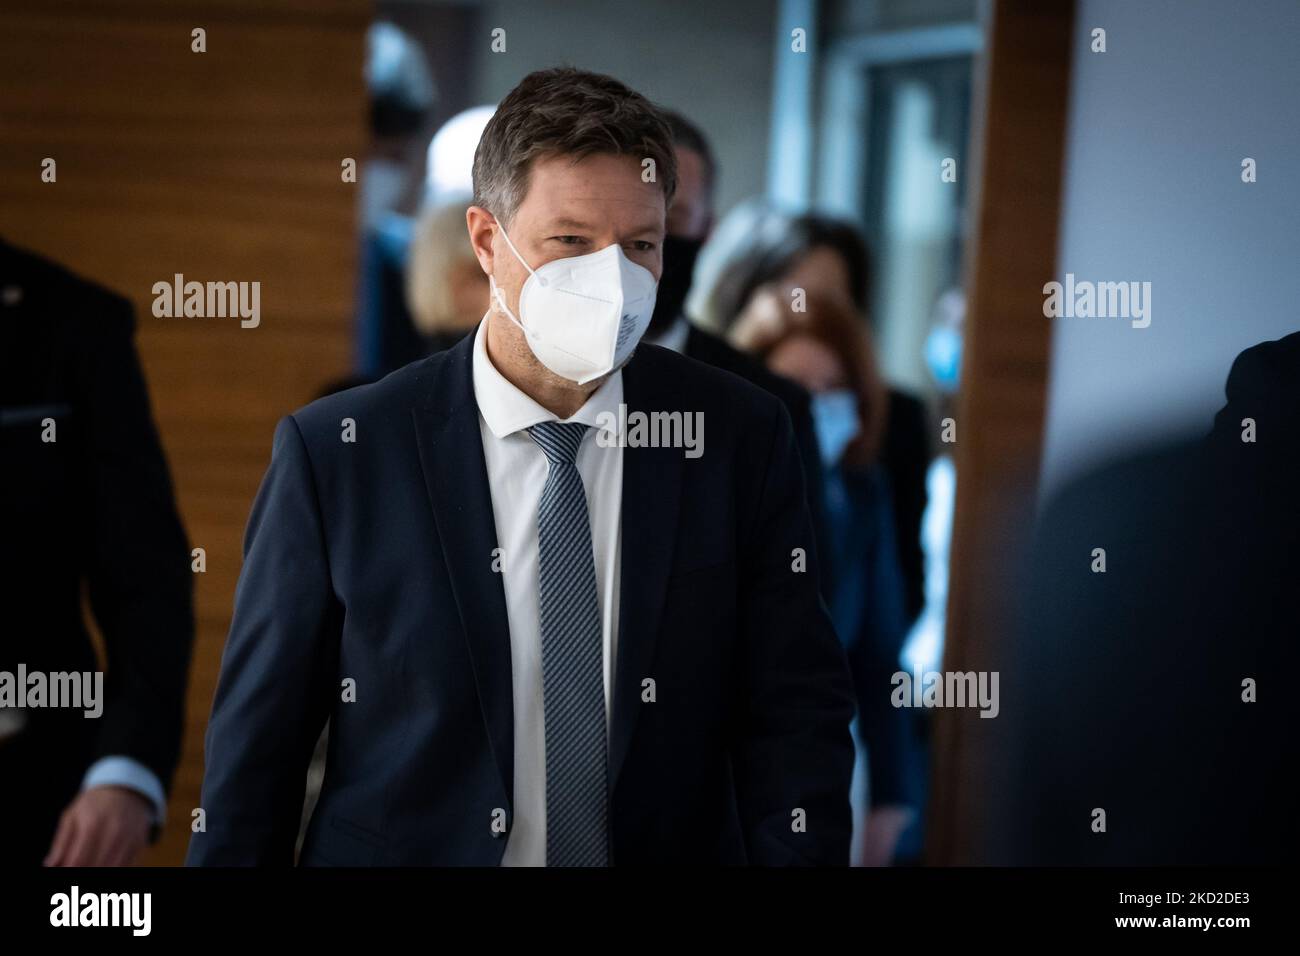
(718,352)
(692,383)
(376,406)
(63,297)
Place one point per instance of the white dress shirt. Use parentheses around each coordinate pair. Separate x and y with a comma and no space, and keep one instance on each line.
(516,471)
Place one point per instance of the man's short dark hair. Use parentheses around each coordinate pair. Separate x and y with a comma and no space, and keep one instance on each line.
(690,136)
(566,112)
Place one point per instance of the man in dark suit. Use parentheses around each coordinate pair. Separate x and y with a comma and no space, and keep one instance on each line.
(690,221)
(87,500)
(539,639)
(1158,691)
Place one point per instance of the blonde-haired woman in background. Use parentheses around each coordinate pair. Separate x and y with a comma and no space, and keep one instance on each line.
(446,290)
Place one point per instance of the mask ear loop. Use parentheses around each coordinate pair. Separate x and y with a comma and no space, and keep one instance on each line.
(499,296)
(522,261)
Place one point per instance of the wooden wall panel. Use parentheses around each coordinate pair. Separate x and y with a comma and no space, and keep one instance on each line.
(222,165)
(1004,381)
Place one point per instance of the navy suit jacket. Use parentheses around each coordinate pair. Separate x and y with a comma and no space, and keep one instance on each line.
(373,561)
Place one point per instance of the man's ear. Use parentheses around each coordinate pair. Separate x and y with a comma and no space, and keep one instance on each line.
(482,226)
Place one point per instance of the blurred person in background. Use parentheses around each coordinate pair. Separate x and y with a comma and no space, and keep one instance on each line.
(446,291)
(1155,726)
(823,346)
(829,258)
(449,167)
(418,290)
(87,504)
(402,98)
(690,221)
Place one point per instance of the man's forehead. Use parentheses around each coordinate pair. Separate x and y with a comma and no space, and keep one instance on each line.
(590,190)
(591,209)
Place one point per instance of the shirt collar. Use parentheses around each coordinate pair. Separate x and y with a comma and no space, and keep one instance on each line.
(507,410)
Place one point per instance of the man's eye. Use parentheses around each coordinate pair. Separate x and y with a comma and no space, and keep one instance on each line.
(570,240)
(642,245)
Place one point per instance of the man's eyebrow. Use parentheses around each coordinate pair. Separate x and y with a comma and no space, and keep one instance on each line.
(566,223)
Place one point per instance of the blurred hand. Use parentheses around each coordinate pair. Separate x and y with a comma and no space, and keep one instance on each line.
(103,826)
(885,826)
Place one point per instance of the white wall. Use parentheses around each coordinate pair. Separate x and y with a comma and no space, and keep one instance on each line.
(1158,127)
(709,60)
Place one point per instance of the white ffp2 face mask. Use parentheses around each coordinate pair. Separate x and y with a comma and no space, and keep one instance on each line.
(583,315)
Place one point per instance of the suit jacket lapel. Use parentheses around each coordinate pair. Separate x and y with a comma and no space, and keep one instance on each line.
(455,474)
(651,489)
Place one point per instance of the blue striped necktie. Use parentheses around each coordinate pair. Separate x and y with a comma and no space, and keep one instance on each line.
(573,686)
